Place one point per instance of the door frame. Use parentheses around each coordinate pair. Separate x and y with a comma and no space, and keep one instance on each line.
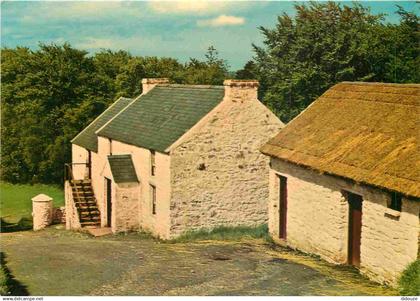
(355,221)
(108,201)
(282,211)
(89,162)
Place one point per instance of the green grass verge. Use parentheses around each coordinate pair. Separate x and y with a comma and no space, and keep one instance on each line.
(409,283)
(4,289)
(16,203)
(225,233)
(8,284)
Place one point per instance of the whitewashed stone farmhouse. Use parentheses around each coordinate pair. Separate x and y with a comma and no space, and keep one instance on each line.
(345,178)
(174,159)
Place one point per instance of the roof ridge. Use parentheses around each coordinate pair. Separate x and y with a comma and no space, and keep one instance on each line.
(379,84)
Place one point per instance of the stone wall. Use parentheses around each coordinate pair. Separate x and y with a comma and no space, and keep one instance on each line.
(126,205)
(389,239)
(218,175)
(59,215)
(72,216)
(316,214)
(317,221)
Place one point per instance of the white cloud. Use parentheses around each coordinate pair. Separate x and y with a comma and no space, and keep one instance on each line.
(222,20)
(97,43)
(187,6)
(126,43)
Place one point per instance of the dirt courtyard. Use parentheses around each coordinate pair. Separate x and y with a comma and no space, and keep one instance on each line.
(59,262)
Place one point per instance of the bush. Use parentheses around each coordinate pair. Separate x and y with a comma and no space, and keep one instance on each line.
(4,290)
(409,283)
(8,284)
(225,233)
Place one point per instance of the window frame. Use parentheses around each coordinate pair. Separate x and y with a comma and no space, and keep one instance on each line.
(153,198)
(110,146)
(152,163)
(395,201)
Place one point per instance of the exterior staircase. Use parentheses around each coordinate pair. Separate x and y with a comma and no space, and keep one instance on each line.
(85,202)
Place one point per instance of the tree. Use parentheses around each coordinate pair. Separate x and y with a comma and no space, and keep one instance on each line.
(212,71)
(128,81)
(402,59)
(326,43)
(248,72)
(38,88)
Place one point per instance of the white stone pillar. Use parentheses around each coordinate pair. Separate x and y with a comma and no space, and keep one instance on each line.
(42,209)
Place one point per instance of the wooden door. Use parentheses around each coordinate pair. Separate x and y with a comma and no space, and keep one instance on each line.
(108,202)
(283,207)
(355,228)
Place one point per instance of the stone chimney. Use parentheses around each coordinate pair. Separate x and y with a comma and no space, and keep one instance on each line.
(241,90)
(149,83)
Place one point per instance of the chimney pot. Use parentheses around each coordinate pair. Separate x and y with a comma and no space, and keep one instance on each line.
(241,90)
(149,83)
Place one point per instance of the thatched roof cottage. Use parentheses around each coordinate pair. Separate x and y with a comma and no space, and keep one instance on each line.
(176,158)
(345,178)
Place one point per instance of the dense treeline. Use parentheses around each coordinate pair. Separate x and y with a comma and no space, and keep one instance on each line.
(326,43)
(50,94)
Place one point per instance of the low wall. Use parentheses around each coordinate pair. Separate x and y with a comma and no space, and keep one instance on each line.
(72,215)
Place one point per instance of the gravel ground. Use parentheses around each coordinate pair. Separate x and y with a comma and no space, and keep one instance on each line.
(59,262)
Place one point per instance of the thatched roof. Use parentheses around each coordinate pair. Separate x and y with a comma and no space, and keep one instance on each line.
(366,132)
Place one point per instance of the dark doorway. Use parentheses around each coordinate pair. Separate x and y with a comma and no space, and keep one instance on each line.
(282,207)
(355,228)
(108,202)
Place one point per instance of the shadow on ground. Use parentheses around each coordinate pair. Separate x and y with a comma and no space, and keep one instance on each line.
(13,286)
(22,225)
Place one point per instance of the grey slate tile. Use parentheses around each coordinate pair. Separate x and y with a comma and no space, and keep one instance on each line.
(122,168)
(159,118)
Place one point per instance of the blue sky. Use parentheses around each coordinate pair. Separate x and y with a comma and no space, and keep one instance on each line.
(175,29)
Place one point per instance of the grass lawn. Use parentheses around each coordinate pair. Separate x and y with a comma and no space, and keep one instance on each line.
(16,203)
(410,280)
(225,233)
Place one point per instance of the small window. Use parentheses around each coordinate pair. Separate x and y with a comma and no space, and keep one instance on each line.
(395,201)
(152,163)
(153,198)
(110,146)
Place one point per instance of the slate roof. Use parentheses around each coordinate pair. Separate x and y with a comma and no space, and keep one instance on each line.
(87,138)
(157,119)
(122,168)
(366,132)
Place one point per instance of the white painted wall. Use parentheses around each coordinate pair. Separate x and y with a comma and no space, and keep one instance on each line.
(317,221)
(79,155)
(157,224)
